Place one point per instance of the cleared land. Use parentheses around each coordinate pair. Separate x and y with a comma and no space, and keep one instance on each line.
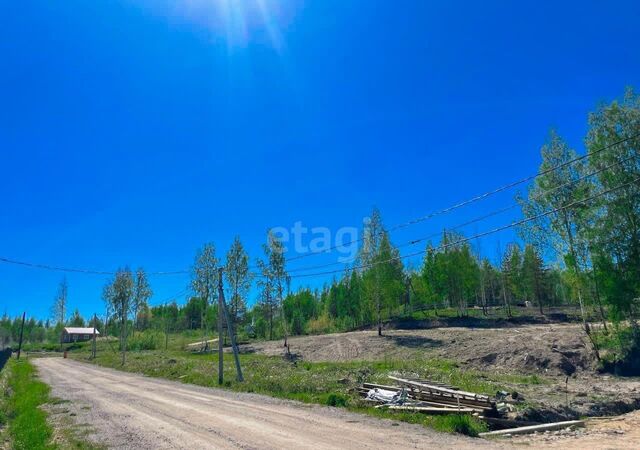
(133,411)
(551,351)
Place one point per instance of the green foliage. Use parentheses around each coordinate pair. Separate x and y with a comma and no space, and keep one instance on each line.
(597,238)
(76,319)
(147,340)
(299,308)
(338,400)
(238,279)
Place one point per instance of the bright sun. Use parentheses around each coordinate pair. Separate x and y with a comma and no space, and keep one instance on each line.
(237,21)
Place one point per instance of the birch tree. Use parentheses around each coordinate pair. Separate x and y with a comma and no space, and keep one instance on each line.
(613,139)
(141,294)
(368,257)
(238,278)
(119,294)
(59,309)
(204,281)
(564,231)
(278,273)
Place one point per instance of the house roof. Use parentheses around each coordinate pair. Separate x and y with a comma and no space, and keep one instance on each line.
(78,330)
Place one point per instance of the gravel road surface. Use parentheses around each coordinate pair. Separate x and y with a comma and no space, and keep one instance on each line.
(132,411)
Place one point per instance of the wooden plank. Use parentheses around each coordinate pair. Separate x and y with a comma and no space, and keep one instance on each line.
(431,397)
(432,410)
(457,394)
(534,428)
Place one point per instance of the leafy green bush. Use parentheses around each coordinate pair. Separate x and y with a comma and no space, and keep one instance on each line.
(620,351)
(145,341)
(337,400)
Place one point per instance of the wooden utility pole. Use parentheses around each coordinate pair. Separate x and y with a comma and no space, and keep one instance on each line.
(230,329)
(220,332)
(166,329)
(24,314)
(93,344)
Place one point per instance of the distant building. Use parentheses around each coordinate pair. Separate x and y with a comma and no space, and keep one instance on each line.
(75,334)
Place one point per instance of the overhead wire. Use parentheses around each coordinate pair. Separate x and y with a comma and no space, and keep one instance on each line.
(475,199)
(343,244)
(483,217)
(476,236)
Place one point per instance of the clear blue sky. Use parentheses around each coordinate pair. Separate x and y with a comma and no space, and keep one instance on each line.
(133,131)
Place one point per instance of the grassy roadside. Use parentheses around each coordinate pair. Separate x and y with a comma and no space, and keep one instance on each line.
(330,384)
(22,415)
(22,397)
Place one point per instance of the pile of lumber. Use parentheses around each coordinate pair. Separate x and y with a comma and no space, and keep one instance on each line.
(431,397)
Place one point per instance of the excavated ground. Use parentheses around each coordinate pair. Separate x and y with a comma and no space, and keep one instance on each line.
(558,352)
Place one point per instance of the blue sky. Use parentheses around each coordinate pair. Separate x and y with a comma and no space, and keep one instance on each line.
(132,132)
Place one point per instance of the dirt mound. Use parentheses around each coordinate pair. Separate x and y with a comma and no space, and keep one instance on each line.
(552,362)
(541,349)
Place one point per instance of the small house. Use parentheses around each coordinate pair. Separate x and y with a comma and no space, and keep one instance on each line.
(76,334)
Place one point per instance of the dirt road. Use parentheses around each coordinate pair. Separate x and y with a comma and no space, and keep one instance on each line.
(132,411)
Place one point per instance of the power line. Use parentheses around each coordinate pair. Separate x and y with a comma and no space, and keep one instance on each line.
(343,244)
(74,270)
(485,216)
(54,268)
(476,236)
(473,199)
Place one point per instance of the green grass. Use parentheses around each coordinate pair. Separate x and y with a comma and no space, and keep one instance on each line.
(22,398)
(462,424)
(22,414)
(326,383)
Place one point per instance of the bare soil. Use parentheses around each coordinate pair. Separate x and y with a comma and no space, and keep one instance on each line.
(616,433)
(557,352)
(553,349)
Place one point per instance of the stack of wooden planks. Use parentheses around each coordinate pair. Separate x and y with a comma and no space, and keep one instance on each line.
(436,398)
(431,397)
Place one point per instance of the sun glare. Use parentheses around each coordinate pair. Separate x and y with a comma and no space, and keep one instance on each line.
(239,22)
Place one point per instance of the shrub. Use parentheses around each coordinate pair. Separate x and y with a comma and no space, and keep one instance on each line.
(145,341)
(337,400)
(321,325)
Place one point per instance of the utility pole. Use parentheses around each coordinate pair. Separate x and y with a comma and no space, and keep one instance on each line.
(230,329)
(220,332)
(93,345)
(24,314)
(166,329)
